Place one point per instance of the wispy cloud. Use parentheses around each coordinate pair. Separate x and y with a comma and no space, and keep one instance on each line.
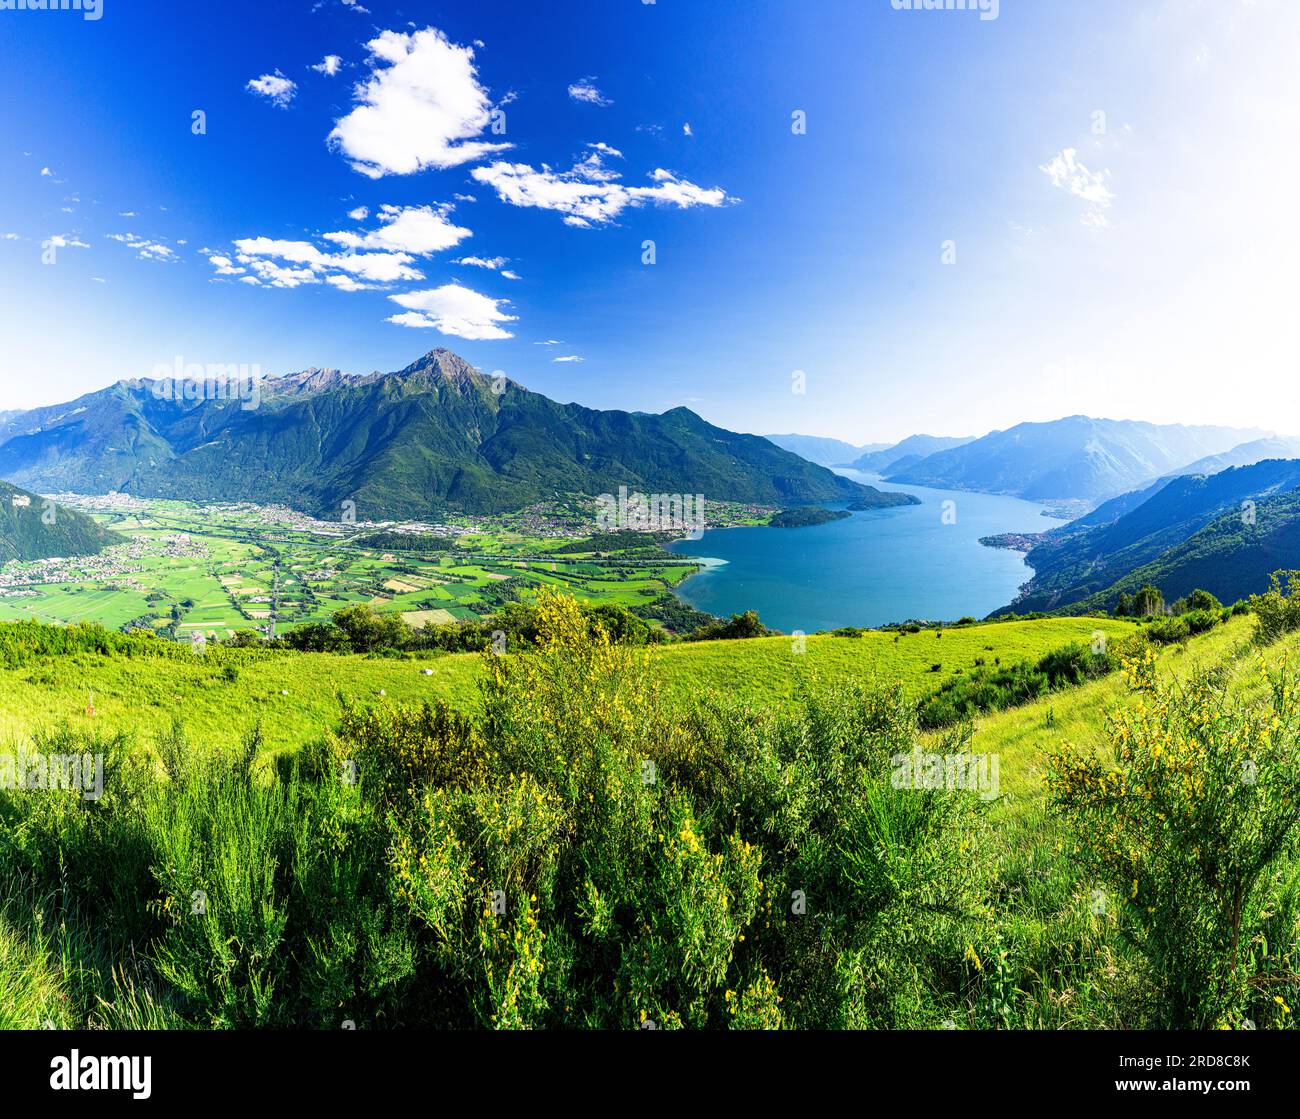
(276,88)
(146,249)
(1066,173)
(587,92)
(329,65)
(569,358)
(588,195)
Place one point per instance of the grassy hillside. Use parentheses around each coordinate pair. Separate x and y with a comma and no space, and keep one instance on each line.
(591,841)
(222,693)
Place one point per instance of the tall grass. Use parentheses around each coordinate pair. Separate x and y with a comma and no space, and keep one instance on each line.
(582,849)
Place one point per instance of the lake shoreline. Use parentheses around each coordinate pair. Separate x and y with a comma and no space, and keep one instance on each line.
(872,569)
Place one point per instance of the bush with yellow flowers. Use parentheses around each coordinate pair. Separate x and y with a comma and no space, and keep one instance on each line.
(1191,826)
(581,851)
(588,853)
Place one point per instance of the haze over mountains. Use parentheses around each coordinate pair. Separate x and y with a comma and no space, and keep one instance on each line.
(435,436)
(908,453)
(823,451)
(1078,458)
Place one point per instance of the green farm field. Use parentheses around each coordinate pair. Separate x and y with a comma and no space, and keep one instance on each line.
(222,569)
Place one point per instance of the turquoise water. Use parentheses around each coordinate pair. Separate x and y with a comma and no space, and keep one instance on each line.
(886,565)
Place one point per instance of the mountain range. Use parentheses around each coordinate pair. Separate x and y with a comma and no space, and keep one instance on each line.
(1224,532)
(433,437)
(1075,458)
(824,451)
(907,453)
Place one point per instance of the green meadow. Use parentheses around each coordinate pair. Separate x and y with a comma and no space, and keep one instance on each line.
(296,696)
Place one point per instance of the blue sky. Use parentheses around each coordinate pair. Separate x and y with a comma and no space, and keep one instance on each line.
(1074,207)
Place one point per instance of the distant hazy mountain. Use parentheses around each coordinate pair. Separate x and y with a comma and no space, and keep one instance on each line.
(437,435)
(823,451)
(29,530)
(1188,531)
(1246,454)
(910,451)
(1073,458)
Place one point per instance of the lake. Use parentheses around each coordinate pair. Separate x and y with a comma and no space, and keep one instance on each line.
(883,565)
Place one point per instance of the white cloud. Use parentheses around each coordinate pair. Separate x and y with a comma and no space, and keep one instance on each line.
(10,237)
(224,265)
(146,249)
(605,149)
(1068,174)
(277,275)
(494,263)
(60,241)
(593,170)
(381,268)
(454,310)
(549,342)
(569,357)
(296,252)
(586,92)
(421,108)
(403,234)
(414,229)
(46,173)
(359,214)
(686,129)
(259,254)
(276,88)
(329,65)
(347,283)
(586,195)
(128,214)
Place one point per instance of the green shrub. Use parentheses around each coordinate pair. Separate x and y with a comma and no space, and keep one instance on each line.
(1277,610)
(1191,827)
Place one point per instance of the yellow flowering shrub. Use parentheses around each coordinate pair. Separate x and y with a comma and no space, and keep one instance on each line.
(1189,824)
